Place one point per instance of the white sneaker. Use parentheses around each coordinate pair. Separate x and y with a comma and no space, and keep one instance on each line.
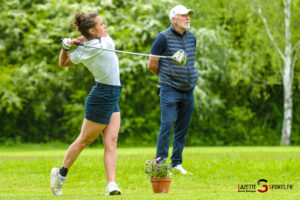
(55,182)
(180,169)
(112,189)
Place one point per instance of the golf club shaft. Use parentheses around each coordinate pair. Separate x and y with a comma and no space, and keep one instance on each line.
(126,52)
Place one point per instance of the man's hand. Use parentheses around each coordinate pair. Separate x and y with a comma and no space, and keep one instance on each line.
(158,89)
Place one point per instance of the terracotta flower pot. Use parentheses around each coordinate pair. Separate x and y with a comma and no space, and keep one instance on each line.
(160,185)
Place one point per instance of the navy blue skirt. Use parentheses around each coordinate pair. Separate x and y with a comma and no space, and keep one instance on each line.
(101,102)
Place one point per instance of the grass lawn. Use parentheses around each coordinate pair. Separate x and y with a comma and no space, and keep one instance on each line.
(217,172)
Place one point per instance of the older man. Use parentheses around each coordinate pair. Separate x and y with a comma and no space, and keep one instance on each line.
(177,84)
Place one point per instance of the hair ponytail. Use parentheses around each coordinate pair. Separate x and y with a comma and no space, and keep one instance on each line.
(79,17)
(84,22)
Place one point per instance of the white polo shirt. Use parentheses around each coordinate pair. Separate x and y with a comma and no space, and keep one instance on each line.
(104,65)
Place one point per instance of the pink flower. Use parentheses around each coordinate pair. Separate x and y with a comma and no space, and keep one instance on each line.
(147,162)
(157,160)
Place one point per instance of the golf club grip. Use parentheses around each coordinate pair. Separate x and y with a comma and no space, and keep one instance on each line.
(78,44)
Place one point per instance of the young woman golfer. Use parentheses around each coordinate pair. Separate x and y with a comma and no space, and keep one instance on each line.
(102,113)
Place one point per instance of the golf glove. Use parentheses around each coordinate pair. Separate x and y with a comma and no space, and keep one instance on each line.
(66,42)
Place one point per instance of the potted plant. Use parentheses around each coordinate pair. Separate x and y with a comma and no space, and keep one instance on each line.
(159,173)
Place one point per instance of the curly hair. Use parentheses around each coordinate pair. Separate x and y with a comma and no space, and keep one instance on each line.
(84,22)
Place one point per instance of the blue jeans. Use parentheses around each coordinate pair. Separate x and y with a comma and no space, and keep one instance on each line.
(173,104)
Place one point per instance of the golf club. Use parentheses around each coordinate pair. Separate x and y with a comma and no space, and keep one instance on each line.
(179,58)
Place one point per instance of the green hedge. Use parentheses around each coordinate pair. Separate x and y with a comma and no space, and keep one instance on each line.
(238,98)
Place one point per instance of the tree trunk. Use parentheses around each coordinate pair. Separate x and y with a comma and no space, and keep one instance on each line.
(287,77)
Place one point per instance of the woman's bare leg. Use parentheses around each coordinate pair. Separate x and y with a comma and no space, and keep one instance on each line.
(89,132)
(110,137)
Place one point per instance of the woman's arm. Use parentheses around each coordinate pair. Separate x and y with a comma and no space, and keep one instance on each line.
(64,59)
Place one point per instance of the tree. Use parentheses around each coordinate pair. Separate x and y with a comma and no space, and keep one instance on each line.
(289,61)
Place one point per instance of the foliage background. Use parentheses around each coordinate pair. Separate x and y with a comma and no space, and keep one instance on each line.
(238,97)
